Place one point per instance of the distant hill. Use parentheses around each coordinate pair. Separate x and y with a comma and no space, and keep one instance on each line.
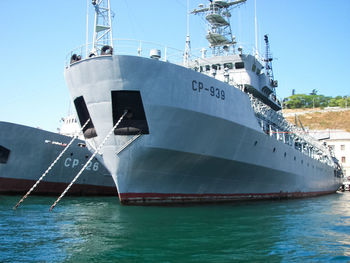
(313,100)
(320,119)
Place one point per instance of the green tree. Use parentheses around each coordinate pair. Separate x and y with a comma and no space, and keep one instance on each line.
(314,92)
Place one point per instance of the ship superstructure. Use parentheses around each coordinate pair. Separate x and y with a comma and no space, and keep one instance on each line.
(204,128)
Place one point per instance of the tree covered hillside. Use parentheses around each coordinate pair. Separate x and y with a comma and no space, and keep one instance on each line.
(313,100)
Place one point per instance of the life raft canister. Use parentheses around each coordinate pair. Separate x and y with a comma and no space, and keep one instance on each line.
(107,50)
(75,58)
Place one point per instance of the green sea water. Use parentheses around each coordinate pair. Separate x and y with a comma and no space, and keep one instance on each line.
(99,229)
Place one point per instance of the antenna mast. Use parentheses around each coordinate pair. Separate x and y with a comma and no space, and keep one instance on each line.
(256,31)
(188,42)
(268,58)
(268,63)
(87,28)
(102,26)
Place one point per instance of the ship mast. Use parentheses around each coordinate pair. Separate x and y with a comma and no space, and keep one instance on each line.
(103,25)
(268,64)
(268,58)
(187,53)
(219,35)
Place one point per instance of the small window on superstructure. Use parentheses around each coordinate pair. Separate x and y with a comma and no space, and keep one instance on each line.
(216,66)
(258,71)
(239,65)
(343,159)
(200,69)
(195,68)
(207,67)
(342,147)
(228,65)
(253,68)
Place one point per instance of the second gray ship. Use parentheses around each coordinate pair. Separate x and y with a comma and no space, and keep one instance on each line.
(26,152)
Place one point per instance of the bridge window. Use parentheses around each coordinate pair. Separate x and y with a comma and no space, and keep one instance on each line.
(239,65)
(228,65)
(216,66)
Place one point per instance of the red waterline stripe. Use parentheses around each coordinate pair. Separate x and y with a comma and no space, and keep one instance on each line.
(142,195)
(21,186)
(178,196)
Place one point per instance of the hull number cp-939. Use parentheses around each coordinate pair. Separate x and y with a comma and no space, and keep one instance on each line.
(199,87)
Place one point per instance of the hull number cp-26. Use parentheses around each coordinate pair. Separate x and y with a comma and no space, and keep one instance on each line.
(72,163)
(212,91)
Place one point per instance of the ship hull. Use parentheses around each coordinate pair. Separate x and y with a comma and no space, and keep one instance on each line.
(31,151)
(178,177)
(12,186)
(204,142)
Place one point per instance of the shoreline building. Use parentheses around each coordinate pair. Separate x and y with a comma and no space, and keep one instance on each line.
(339,142)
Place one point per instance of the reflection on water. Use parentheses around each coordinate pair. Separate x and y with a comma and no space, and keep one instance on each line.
(101,230)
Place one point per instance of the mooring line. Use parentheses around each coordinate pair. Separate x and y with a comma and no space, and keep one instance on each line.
(50,167)
(87,163)
(128,143)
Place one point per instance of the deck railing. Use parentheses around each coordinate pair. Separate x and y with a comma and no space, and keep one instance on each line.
(128,47)
(143,48)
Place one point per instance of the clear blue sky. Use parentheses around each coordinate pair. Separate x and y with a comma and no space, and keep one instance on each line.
(309,40)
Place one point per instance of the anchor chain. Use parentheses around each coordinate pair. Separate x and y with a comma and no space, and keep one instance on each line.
(87,163)
(50,167)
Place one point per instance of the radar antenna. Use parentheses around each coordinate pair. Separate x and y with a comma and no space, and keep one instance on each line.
(102,26)
(219,35)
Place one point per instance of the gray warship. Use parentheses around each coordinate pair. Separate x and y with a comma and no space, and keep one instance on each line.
(26,152)
(193,128)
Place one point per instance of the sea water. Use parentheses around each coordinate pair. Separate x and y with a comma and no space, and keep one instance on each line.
(96,229)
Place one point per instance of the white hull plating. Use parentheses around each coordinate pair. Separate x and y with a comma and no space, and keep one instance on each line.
(204,141)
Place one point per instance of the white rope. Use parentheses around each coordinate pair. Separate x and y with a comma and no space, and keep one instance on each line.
(87,163)
(128,143)
(50,167)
